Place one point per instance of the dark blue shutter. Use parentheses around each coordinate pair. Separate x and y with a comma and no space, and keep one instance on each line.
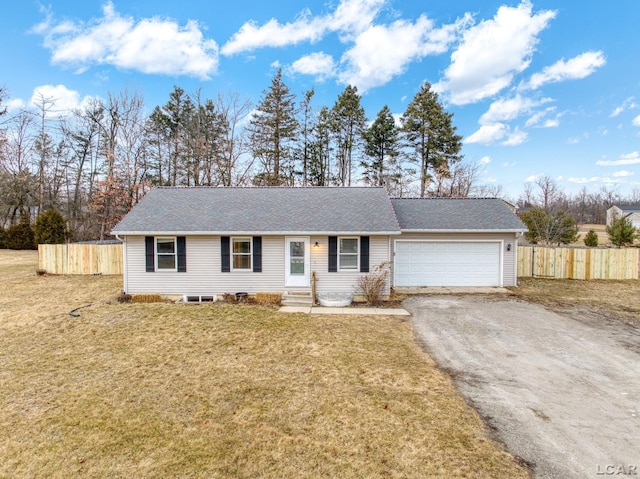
(150,253)
(257,254)
(225,253)
(182,254)
(364,254)
(333,254)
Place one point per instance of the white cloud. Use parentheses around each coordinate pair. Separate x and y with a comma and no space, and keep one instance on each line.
(485,160)
(382,52)
(488,134)
(622,173)
(151,45)
(551,123)
(583,180)
(628,104)
(636,121)
(532,178)
(632,158)
(511,108)
(349,18)
(59,98)
(515,138)
(575,68)
(317,64)
(508,164)
(493,52)
(15,104)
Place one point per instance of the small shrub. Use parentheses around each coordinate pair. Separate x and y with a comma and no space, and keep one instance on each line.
(146,298)
(272,299)
(228,298)
(621,232)
(20,237)
(591,239)
(124,298)
(372,285)
(50,228)
(41,272)
(3,235)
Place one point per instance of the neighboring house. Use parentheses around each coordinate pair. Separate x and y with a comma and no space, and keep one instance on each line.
(210,241)
(631,212)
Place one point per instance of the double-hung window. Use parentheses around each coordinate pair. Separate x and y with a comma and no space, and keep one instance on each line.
(166,254)
(241,254)
(348,254)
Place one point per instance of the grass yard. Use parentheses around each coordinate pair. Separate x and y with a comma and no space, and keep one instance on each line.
(219,391)
(616,300)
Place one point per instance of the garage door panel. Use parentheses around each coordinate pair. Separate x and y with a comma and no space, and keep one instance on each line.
(451,263)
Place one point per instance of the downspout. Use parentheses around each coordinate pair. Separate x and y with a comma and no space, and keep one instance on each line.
(124,263)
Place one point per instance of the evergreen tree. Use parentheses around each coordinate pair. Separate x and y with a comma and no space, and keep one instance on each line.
(381,148)
(319,173)
(20,236)
(549,228)
(621,232)
(273,129)
(50,228)
(428,129)
(591,239)
(347,123)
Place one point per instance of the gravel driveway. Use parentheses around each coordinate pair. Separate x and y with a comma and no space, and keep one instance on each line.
(561,393)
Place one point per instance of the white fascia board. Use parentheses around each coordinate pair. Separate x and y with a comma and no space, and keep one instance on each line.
(464,231)
(257,233)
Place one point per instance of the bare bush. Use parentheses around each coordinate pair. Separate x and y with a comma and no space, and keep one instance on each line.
(373,284)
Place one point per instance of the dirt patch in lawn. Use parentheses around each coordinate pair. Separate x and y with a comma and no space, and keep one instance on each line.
(212,391)
(608,300)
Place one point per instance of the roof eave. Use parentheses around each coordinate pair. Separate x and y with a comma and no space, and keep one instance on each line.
(454,230)
(254,233)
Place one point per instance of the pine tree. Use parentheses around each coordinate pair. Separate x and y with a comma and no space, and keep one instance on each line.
(381,148)
(591,239)
(348,122)
(273,129)
(50,228)
(621,232)
(428,129)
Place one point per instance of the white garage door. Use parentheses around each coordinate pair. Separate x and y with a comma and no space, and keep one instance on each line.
(436,263)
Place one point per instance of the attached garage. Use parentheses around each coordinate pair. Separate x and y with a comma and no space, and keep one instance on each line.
(455,242)
(448,263)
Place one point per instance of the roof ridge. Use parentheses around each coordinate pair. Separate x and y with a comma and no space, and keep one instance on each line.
(448,198)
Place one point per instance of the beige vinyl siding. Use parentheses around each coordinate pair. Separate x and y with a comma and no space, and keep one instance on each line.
(344,281)
(508,257)
(204,276)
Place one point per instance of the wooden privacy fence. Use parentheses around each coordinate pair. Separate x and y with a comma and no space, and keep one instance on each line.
(578,263)
(80,258)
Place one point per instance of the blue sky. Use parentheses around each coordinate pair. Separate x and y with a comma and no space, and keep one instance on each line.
(536,88)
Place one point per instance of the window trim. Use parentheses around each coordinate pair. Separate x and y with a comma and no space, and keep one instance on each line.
(249,240)
(175,253)
(356,254)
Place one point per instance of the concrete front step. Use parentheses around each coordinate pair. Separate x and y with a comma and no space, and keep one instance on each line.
(297,298)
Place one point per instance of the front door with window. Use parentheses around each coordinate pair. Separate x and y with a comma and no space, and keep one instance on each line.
(297,262)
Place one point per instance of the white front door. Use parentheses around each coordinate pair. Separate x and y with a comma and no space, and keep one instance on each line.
(297,258)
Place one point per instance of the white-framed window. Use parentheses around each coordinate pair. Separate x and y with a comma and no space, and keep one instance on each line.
(348,253)
(166,258)
(241,254)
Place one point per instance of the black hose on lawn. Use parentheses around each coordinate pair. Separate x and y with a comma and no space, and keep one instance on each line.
(73,311)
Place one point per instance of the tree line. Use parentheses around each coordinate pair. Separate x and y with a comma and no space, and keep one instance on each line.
(94,163)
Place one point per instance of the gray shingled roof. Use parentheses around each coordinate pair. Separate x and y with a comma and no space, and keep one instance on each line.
(455,214)
(629,208)
(261,210)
